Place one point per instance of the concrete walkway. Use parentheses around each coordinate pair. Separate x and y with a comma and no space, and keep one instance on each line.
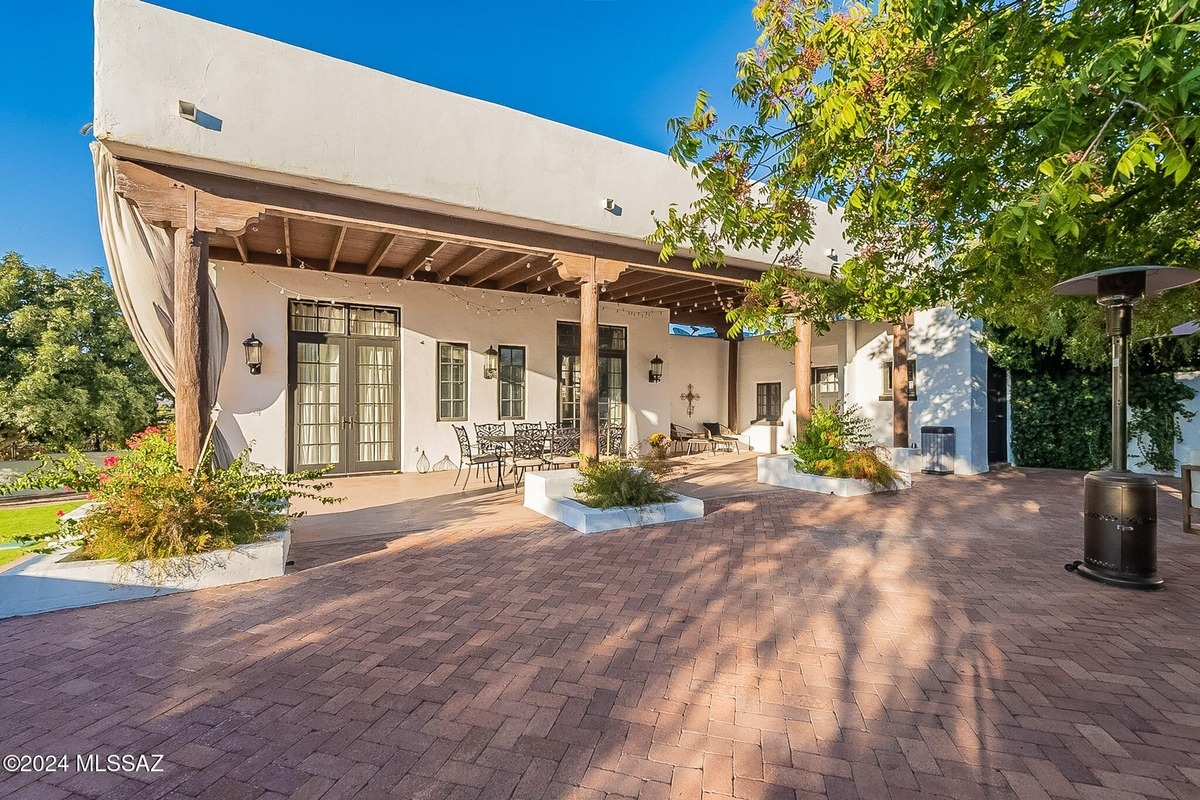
(922,644)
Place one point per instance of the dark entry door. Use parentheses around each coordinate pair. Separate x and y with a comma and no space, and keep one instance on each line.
(997,413)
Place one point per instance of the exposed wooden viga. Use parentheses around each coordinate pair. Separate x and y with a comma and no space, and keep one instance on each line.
(191,215)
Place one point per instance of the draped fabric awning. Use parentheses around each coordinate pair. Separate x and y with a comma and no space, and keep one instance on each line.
(141,262)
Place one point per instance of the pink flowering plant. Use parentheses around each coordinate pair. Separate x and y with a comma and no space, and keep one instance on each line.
(147,507)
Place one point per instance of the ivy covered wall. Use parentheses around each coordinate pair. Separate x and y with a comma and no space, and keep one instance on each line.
(1060,411)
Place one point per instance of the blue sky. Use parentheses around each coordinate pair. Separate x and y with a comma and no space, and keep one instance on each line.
(616,67)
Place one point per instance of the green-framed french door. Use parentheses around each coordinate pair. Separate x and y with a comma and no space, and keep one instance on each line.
(345,388)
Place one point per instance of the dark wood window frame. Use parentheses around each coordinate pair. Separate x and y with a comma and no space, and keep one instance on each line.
(886,393)
(503,379)
(443,383)
(764,404)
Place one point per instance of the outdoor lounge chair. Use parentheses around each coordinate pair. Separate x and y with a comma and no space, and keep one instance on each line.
(721,436)
(687,438)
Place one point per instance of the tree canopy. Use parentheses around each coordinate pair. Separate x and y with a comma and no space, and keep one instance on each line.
(980,152)
(70,372)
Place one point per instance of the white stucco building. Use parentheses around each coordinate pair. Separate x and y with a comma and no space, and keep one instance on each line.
(379,237)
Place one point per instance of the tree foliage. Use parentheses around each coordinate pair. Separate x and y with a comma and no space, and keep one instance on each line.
(980,151)
(70,372)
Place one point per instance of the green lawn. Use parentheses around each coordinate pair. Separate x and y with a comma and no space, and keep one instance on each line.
(19,522)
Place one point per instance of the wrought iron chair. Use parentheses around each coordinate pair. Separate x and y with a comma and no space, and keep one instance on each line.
(486,434)
(612,439)
(527,449)
(564,448)
(468,459)
(525,427)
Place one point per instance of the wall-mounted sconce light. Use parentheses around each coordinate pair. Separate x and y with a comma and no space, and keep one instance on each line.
(832,255)
(187,110)
(253,354)
(489,363)
(656,370)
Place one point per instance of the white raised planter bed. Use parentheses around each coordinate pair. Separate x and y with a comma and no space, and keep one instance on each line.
(46,582)
(552,494)
(781,471)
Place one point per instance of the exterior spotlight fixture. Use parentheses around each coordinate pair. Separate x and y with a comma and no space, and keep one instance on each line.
(1120,508)
(253,354)
(490,367)
(656,369)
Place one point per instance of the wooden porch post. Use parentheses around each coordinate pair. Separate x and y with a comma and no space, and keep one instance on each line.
(589,367)
(803,361)
(732,379)
(193,395)
(590,272)
(900,435)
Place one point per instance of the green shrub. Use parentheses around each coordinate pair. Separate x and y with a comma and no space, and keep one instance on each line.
(148,507)
(612,482)
(836,443)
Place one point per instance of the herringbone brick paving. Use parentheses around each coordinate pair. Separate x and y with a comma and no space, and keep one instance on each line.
(925,644)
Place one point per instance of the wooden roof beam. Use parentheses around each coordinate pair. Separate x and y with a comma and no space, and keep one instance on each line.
(465,259)
(498,266)
(287,241)
(424,257)
(381,251)
(241,247)
(532,274)
(337,247)
(643,288)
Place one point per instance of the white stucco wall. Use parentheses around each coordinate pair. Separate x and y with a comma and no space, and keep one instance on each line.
(703,363)
(296,117)
(255,407)
(951,379)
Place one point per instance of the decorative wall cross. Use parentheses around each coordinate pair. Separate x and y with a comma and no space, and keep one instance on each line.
(691,398)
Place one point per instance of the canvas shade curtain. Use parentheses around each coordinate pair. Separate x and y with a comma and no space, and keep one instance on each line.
(141,264)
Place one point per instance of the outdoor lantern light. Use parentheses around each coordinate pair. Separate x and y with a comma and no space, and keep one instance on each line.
(656,369)
(253,354)
(1120,508)
(489,362)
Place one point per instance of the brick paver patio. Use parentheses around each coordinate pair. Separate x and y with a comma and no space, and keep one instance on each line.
(923,644)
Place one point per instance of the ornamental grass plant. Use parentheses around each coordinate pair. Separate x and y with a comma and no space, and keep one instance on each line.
(836,443)
(148,508)
(614,482)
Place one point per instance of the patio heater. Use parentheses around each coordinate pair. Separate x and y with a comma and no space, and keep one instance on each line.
(1120,508)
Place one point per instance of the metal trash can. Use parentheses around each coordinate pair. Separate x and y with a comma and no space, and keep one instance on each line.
(937,444)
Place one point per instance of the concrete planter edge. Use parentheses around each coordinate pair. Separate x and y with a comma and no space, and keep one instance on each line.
(781,471)
(47,583)
(551,494)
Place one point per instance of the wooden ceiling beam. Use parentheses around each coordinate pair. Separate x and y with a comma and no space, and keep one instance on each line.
(500,265)
(465,258)
(287,241)
(688,291)
(424,256)
(528,277)
(337,247)
(268,259)
(381,251)
(241,247)
(638,279)
(644,288)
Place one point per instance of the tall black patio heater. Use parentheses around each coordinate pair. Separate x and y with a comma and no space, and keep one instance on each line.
(1120,508)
